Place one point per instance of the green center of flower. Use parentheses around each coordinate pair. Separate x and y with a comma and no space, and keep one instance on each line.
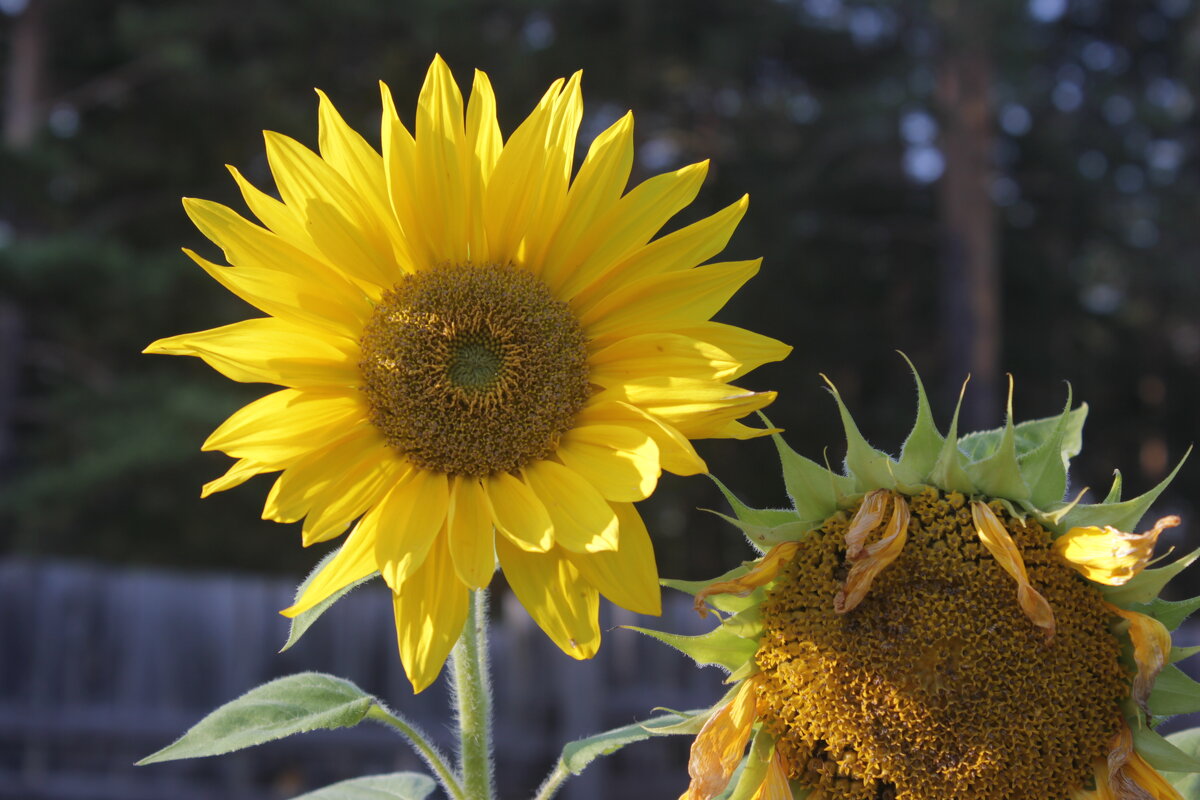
(473,369)
(937,686)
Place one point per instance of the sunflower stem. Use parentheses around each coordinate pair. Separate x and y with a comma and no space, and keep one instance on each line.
(473,696)
(554,781)
(425,749)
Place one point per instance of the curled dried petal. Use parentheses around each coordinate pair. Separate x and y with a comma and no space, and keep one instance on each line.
(1151,647)
(868,517)
(719,746)
(1129,777)
(1000,544)
(871,560)
(760,575)
(1110,556)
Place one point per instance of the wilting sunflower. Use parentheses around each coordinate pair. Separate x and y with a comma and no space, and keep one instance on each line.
(943,626)
(471,342)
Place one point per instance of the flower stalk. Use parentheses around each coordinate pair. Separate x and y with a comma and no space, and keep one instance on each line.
(473,697)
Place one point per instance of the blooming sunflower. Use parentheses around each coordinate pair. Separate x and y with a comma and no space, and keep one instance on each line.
(943,625)
(472,342)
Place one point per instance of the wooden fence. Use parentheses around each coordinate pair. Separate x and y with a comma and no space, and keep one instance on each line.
(100,666)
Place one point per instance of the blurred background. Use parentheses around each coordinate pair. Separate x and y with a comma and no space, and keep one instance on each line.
(991,187)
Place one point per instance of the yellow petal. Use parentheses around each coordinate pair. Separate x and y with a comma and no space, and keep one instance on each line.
(283,295)
(583,522)
(559,155)
(675,452)
(347,151)
(399,166)
(514,190)
(868,517)
(338,220)
(484,144)
(619,460)
(651,355)
(353,493)
(409,520)
(762,573)
(628,225)
(554,593)
(719,746)
(287,424)
(471,537)
(1151,648)
(305,480)
(599,184)
(775,784)
(1129,777)
(273,213)
(751,350)
(354,561)
(658,302)
(1107,555)
(682,249)
(628,575)
(1000,544)
(870,560)
(699,409)
(270,351)
(431,608)
(242,470)
(519,514)
(440,159)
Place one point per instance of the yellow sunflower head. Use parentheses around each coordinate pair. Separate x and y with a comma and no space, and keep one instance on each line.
(943,625)
(472,342)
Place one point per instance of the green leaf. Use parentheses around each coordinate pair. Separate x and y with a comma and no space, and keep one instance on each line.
(1187,784)
(1162,754)
(720,646)
(948,472)
(1044,468)
(295,704)
(1147,584)
(302,621)
(920,450)
(870,468)
(1174,693)
(1182,653)
(999,474)
(815,491)
(1124,515)
(578,754)
(394,786)
(747,624)
(1171,613)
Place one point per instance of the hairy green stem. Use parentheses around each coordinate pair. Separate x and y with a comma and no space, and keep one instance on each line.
(420,742)
(473,694)
(553,782)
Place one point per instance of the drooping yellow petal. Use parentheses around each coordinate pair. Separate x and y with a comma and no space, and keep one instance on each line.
(775,783)
(270,351)
(1000,544)
(287,424)
(657,302)
(1107,555)
(555,594)
(1151,648)
(519,514)
(675,452)
(868,517)
(470,531)
(682,249)
(583,521)
(242,470)
(1129,777)
(410,518)
(440,161)
(430,610)
(719,746)
(628,575)
(619,460)
(870,560)
(762,573)
(354,561)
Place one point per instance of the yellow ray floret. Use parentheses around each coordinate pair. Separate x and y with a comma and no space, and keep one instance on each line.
(999,543)
(483,360)
(718,747)
(1109,556)
(762,573)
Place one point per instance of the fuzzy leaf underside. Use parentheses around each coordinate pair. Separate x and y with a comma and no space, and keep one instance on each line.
(393,786)
(294,704)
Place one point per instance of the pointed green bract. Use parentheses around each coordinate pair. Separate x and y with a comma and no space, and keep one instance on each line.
(924,442)
(1162,754)
(1123,515)
(1187,784)
(999,474)
(1146,585)
(948,472)
(870,468)
(578,754)
(1044,466)
(1174,693)
(1114,494)
(816,492)
(719,647)
(1171,613)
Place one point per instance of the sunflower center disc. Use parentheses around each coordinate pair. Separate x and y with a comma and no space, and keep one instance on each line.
(473,369)
(938,687)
